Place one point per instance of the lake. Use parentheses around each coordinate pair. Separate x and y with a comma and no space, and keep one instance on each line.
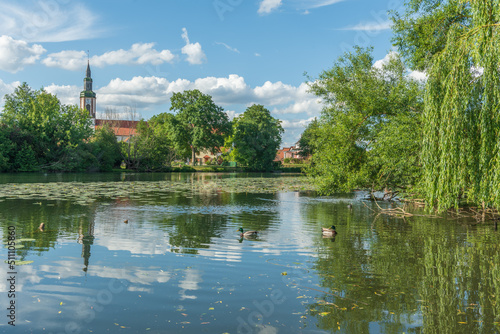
(160,253)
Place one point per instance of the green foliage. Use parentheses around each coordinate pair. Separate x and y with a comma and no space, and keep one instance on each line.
(461,157)
(6,149)
(256,138)
(151,149)
(423,30)
(40,132)
(199,123)
(357,142)
(105,149)
(25,160)
(309,138)
(170,137)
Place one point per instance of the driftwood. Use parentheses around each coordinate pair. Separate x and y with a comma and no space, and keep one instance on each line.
(400,211)
(479,214)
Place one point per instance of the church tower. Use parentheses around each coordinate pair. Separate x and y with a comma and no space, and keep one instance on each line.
(87,96)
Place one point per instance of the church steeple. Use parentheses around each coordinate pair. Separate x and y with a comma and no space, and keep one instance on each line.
(88,69)
(87,96)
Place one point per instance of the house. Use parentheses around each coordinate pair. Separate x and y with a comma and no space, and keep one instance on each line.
(292,152)
(280,154)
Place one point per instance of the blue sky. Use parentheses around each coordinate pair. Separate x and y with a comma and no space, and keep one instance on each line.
(239,51)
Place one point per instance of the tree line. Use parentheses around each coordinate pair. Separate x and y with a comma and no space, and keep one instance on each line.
(38,132)
(436,139)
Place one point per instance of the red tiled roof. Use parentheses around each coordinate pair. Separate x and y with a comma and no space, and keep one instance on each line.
(119,127)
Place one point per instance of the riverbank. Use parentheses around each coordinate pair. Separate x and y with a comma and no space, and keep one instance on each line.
(217,169)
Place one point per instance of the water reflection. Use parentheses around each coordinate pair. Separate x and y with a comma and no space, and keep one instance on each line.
(178,265)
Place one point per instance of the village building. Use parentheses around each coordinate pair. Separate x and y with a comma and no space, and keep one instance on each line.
(292,152)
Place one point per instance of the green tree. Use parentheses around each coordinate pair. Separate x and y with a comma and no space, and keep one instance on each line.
(366,109)
(6,148)
(25,160)
(105,148)
(309,138)
(457,44)
(256,137)
(203,124)
(151,149)
(50,128)
(171,137)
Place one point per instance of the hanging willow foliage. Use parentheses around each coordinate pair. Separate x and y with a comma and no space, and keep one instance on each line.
(461,116)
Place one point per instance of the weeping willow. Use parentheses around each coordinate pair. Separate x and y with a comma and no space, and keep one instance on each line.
(461,156)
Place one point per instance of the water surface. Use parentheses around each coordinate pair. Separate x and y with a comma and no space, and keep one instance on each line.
(178,265)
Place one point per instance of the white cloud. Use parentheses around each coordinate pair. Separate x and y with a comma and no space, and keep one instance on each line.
(47,21)
(305,4)
(140,92)
(16,54)
(267,6)
(66,94)
(232,89)
(275,93)
(138,54)
(232,114)
(418,76)
(228,47)
(193,51)
(371,26)
(68,59)
(384,61)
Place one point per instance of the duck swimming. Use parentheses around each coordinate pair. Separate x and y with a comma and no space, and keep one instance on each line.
(248,233)
(330,231)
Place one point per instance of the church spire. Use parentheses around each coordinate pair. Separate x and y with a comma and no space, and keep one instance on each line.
(88,74)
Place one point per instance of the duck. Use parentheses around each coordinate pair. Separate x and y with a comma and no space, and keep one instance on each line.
(349,206)
(247,233)
(330,231)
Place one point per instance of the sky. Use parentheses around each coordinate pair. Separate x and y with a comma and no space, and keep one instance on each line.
(240,52)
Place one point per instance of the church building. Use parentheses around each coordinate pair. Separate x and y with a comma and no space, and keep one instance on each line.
(88,97)
(123,129)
